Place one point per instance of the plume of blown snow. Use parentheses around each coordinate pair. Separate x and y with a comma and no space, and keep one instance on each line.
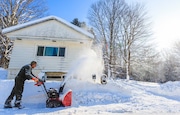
(89,63)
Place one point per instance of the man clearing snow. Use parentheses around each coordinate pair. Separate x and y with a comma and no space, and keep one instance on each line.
(24,74)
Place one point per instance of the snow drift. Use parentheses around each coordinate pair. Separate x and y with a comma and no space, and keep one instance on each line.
(116,97)
(89,97)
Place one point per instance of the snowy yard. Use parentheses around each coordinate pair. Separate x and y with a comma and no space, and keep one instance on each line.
(115,98)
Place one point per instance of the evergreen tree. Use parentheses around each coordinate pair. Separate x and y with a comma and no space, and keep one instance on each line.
(76,22)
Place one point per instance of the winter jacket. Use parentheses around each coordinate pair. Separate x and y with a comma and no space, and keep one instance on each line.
(25,73)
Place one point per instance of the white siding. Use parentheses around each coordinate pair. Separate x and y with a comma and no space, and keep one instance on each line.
(23,52)
(51,29)
(51,33)
(26,50)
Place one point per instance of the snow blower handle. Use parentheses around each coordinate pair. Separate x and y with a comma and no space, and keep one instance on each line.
(61,88)
(38,81)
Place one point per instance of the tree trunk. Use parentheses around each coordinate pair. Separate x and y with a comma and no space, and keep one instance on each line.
(128,64)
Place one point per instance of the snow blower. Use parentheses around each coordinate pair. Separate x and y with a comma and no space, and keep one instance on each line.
(55,98)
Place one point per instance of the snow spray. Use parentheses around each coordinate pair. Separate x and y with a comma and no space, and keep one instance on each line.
(89,63)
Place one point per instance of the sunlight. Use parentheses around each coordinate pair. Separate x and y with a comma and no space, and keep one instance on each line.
(167,32)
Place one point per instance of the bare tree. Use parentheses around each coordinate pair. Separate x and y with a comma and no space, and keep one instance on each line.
(6,46)
(13,12)
(123,30)
(171,65)
(20,11)
(146,64)
(176,49)
(134,32)
(103,16)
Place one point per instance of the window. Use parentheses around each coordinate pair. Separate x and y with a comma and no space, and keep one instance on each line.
(40,51)
(61,52)
(51,51)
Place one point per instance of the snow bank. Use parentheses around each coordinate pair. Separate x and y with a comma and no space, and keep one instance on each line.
(87,93)
(84,94)
(169,90)
(117,97)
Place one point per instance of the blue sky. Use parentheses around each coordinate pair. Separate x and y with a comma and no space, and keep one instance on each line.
(70,9)
(164,14)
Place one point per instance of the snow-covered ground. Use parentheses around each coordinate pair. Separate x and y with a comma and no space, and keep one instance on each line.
(115,98)
(118,97)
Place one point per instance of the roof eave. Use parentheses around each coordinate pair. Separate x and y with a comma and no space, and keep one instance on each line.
(18,27)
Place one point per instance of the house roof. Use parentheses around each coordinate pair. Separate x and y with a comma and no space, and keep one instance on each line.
(20,26)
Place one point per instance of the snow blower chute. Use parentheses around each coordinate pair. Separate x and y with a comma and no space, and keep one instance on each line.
(55,98)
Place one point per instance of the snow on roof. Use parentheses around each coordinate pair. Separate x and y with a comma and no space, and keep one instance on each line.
(20,26)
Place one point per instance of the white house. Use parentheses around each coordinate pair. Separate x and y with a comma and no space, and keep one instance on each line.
(51,41)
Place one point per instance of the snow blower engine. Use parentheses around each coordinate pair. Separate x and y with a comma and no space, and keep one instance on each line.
(55,98)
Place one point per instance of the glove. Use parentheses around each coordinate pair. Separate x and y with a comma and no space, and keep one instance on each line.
(39,83)
(35,79)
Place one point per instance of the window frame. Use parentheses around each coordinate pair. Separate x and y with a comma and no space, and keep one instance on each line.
(44,50)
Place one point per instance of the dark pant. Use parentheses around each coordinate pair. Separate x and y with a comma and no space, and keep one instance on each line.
(17,90)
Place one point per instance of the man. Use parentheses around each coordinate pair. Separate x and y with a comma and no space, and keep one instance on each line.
(24,74)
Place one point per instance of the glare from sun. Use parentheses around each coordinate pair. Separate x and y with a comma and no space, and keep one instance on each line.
(167,33)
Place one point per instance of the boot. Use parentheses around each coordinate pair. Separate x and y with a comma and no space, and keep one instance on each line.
(18,104)
(8,104)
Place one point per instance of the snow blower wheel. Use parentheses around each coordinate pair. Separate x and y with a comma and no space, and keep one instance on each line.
(53,103)
(53,99)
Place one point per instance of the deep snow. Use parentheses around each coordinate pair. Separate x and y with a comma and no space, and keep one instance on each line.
(114,98)
(117,97)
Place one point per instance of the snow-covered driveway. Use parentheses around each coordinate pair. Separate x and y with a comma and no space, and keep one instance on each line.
(115,98)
